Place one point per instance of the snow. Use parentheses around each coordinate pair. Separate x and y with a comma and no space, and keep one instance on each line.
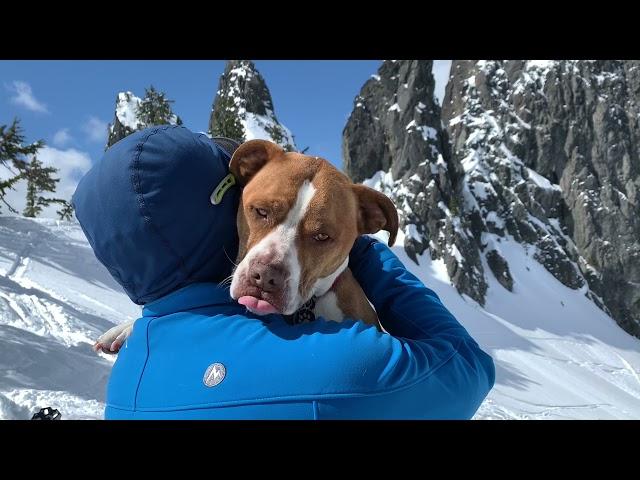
(455,120)
(255,127)
(55,299)
(411,231)
(428,133)
(541,181)
(379,180)
(238,71)
(557,355)
(494,218)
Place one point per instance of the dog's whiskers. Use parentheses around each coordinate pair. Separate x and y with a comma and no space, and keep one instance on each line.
(227,255)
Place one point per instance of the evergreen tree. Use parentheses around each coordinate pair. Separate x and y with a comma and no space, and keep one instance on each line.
(12,157)
(155,109)
(226,122)
(66,211)
(39,180)
(278,135)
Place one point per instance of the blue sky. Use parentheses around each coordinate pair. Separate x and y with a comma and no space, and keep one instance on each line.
(69,103)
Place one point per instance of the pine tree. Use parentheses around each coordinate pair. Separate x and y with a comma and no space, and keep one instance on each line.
(12,157)
(155,109)
(39,180)
(278,135)
(66,211)
(227,123)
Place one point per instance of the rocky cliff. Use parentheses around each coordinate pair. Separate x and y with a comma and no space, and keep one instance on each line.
(543,153)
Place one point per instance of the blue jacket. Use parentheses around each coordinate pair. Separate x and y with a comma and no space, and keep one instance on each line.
(427,367)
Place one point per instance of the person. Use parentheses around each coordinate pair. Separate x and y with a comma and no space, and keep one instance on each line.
(146,211)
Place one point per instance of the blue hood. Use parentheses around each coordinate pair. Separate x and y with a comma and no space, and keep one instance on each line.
(145,209)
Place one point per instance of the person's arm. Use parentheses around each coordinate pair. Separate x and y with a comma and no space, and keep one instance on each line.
(415,316)
(406,307)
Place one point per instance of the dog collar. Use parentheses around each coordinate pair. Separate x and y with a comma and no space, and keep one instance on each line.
(304,314)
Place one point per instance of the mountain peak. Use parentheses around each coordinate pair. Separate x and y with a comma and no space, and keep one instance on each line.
(243,107)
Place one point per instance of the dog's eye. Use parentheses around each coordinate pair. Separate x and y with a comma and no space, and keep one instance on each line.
(321,237)
(261,212)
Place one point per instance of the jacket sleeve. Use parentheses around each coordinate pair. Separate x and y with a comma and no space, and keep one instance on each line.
(415,316)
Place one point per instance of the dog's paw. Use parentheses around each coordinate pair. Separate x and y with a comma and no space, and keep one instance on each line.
(111,341)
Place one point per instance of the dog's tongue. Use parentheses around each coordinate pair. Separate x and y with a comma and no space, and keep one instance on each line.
(257,304)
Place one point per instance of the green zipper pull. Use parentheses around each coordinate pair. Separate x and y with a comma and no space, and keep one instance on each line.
(225,184)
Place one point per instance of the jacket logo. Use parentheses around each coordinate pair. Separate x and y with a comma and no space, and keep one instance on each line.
(214,374)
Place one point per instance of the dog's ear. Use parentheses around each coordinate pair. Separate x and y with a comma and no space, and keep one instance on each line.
(376,212)
(250,157)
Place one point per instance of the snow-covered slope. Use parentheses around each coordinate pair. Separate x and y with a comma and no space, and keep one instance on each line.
(55,299)
(557,354)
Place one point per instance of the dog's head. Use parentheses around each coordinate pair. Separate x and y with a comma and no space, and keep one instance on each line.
(297,221)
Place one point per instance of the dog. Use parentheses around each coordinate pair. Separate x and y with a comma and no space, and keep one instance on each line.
(297,221)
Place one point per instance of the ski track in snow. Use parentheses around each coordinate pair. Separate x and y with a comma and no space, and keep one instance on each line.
(557,355)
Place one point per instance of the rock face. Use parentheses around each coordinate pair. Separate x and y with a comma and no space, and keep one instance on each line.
(394,138)
(570,129)
(243,108)
(544,153)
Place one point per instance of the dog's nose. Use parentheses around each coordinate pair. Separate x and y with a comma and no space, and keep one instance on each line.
(269,278)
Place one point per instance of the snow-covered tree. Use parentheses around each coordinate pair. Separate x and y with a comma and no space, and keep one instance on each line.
(155,109)
(134,113)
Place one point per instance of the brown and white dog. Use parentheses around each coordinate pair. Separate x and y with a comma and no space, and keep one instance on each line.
(297,221)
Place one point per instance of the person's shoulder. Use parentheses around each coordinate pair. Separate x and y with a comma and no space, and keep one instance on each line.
(350,357)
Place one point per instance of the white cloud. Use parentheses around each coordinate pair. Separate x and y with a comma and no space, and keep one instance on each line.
(441,69)
(23,96)
(62,137)
(96,130)
(71,164)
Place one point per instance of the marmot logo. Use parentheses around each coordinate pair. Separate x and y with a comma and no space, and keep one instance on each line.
(214,374)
